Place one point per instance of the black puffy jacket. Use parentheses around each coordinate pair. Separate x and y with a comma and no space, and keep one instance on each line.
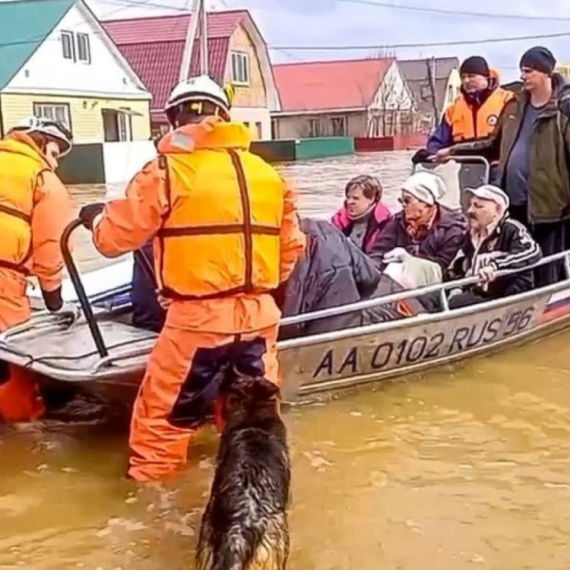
(333,272)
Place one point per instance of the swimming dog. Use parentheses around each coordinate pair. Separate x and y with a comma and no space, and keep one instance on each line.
(244,526)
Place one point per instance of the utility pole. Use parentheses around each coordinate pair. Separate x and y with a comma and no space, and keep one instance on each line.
(204,42)
(430,63)
(197,19)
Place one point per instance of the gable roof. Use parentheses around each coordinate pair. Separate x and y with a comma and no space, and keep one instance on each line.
(24,25)
(154,47)
(330,85)
(417,76)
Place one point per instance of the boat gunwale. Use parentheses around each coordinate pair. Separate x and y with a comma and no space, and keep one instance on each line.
(107,367)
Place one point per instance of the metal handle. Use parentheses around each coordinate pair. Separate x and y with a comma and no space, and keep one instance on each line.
(79,289)
(461,159)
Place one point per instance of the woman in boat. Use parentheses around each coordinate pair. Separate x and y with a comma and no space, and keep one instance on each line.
(363,216)
(334,272)
(425,235)
(494,242)
(35,209)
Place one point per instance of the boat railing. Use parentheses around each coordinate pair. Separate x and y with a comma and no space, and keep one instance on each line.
(441,289)
(46,322)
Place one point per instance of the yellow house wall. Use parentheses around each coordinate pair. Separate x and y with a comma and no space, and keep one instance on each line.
(85,112)
(253,95)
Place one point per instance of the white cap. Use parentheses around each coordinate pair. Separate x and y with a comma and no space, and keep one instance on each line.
(425,186)
(201,88)
(490,192)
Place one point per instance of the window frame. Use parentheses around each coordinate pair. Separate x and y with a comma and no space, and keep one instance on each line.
(243,58)
(83,36)
(71,38)
(40,105)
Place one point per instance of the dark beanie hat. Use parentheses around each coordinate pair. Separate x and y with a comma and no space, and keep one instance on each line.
(475,65)
(540,59)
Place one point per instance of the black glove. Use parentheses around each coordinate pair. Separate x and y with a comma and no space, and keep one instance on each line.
(421,155)
(88,213)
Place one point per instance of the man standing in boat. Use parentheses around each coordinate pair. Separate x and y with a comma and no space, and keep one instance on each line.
(226,234)
(532,140)
(472,116)
(30,194)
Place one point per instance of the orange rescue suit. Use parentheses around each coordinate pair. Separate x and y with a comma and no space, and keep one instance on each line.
(230,225)
(469,122)
(226,233)
(34,210)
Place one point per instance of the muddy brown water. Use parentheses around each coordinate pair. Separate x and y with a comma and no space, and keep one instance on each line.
(463,468)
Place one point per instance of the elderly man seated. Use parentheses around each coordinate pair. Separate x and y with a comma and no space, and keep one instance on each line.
(418,244)
(493,242)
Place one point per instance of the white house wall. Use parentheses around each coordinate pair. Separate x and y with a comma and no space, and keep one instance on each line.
(48,72)
(393,94)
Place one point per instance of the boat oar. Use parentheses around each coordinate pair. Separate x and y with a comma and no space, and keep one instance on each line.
(79,289)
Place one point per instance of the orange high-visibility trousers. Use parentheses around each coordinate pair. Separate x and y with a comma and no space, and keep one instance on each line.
(20,398)
(180,387)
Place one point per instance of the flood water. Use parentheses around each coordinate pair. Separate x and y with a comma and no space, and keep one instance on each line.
(463,468)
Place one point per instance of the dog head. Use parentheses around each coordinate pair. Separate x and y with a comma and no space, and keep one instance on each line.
(250,396)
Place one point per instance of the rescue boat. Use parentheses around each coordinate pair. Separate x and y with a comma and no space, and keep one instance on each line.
(103,354)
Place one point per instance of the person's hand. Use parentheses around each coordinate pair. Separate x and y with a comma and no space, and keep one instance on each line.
(487,274)
(68,311)
(163,301)
(88,213)
(396,255)
(442,155)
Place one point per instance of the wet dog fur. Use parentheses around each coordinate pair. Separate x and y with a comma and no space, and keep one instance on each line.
(244,526)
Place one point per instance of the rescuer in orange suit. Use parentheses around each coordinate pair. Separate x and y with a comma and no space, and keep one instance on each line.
(34,210)
(472,116)
(226,234)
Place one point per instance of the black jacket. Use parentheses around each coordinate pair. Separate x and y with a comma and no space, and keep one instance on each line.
(332,272)
(510,246)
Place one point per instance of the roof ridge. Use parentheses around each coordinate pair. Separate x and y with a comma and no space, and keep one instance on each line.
(331,61)
(180,14)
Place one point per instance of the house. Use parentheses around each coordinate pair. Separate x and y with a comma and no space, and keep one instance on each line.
(57,62)
(434,83)
(355,98)
(237,53)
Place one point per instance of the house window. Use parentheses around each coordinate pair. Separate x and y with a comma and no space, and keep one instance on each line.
(240,68)
(117,125)
(83,48)
(58,112)
(258,130)
(338,126)
(314,128)
(68,45)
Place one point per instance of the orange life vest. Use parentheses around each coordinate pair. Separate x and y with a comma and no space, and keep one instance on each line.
(221,235)
(469,123)
(20,166)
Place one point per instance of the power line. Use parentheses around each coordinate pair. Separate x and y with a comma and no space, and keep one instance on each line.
(422,45)
(442,11)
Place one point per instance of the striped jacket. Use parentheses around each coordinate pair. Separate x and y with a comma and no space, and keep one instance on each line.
(510,246)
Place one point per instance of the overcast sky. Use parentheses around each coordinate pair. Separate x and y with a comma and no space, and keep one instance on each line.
(294,23)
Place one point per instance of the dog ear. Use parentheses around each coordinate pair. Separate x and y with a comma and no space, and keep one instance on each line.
(264,390)
(253,388)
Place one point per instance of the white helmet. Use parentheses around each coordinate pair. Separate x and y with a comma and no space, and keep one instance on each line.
(201,88)
(53,129)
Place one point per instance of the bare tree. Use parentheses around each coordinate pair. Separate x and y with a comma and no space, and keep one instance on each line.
(390,105)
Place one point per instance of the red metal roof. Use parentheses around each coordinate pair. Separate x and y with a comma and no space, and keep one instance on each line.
(327,85)
(171,28)
(154,46)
